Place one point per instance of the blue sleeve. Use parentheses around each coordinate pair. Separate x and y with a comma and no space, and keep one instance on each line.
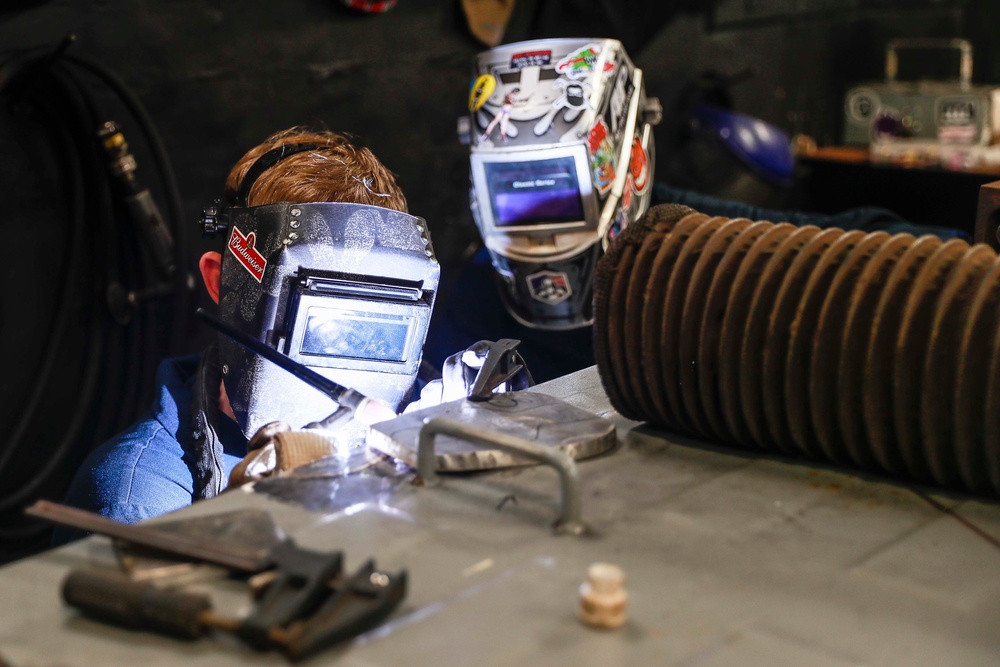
(134,476)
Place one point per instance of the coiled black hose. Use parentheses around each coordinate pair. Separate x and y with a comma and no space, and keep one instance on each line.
(95,373)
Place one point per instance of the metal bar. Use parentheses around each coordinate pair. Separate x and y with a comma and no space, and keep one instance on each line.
(570,520)
(175,544)
(342,395)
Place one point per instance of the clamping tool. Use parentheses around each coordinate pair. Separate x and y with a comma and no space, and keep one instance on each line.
(309,603)
(502,362)
(347,606)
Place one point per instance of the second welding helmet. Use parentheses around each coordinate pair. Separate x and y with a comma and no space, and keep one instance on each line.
(561,161)
(345,289)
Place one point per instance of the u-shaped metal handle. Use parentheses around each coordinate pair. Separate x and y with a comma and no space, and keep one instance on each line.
(570,520)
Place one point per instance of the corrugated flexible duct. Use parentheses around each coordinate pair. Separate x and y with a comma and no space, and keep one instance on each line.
(875,350)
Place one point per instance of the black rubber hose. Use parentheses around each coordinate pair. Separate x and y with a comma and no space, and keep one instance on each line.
(61,324)
(169,181)
(103,249)
(82,112)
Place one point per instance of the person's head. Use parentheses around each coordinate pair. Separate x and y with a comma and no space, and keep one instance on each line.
(334,171)
(321,250)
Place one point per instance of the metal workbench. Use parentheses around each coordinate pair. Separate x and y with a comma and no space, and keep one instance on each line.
(731,559)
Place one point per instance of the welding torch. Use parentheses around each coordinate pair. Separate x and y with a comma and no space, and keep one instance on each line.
(351,402)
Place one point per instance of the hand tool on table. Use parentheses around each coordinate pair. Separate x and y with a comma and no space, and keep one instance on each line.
(310,603)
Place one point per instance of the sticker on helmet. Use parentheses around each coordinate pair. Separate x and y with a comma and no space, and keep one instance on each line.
(638,166)
(549,287)
(602,154)
(581,63)
(530,59)
(480,91)
(575,98)
(621,93)
(243,250)
(620,222)
(627,193)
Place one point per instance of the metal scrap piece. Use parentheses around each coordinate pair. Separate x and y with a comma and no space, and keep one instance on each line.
(542,419)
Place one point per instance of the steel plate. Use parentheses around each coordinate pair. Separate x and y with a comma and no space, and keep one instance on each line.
(542,419)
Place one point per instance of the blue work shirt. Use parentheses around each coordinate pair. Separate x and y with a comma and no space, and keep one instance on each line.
(147,470)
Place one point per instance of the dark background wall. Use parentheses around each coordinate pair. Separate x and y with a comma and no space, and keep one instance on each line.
(217,76)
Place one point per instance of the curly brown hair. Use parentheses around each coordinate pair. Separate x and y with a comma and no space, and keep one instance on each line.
(339,171)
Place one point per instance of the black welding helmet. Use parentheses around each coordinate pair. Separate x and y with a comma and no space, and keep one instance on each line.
(561,161)
(345,289)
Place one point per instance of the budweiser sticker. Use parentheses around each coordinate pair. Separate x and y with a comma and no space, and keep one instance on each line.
(242,248)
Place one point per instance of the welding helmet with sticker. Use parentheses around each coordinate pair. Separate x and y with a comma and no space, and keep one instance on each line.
(561,161)
(345,289)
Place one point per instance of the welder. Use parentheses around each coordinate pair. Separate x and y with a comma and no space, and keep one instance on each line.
(323,263)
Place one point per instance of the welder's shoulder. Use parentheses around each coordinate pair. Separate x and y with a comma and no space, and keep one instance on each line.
(175,379)
(139,474)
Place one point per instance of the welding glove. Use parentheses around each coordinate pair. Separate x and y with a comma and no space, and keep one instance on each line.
(459,373)
(275,449)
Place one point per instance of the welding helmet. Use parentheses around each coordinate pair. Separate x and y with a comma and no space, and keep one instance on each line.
(561,161)
(345,289)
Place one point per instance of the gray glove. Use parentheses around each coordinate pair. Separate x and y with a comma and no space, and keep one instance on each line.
(461,371)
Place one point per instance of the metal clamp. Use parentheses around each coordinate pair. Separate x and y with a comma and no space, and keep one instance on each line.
(502,363)
(570,520)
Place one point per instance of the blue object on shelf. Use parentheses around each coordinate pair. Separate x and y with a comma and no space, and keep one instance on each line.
(758,144)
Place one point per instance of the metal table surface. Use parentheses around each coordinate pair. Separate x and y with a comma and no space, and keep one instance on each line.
(731,559)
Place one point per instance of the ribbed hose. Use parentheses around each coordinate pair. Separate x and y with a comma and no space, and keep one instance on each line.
(873,350)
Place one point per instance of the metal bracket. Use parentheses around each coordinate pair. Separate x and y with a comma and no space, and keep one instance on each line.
(570,521)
